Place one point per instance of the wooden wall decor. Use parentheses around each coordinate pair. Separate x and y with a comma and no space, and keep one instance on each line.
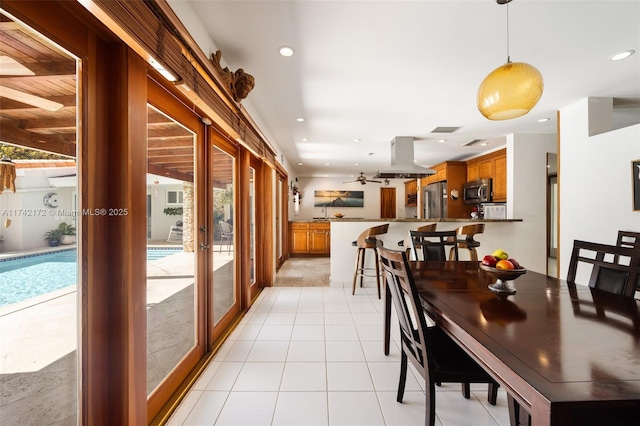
(239,82)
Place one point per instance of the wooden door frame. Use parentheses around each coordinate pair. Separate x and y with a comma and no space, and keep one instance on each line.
(165,100)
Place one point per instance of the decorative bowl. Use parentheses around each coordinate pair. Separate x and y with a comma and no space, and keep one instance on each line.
(339,215)
(504,278)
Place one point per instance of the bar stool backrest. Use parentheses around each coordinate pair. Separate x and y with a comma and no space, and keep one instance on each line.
(367,238)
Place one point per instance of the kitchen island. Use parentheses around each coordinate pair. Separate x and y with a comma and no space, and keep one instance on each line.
(508,234)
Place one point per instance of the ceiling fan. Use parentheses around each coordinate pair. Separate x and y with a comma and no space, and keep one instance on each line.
(9,66)
(363,180)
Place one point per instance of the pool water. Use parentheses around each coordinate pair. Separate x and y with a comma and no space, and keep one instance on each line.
(31,276)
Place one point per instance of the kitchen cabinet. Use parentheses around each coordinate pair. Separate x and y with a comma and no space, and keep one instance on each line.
(500,179)
(493,166)
(310,238)
(455,174)
(411,193)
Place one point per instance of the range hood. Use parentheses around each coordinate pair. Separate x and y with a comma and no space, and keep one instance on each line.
(402,166)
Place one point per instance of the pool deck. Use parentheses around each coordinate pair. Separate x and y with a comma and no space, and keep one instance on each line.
(38,339)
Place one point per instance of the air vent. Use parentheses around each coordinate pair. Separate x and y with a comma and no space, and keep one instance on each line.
(444,129)
(473,142)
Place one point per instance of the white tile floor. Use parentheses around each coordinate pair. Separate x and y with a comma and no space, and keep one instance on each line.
(313,356)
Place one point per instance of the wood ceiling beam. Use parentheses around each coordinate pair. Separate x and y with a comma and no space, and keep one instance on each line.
(8,105)
(162,171)
(165,133)
(36,79)
(153,144)
(49,143)
(174,160)
(172,152)
(62,123)
(65,69)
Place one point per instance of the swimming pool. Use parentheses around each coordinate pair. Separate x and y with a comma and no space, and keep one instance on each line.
(30,276)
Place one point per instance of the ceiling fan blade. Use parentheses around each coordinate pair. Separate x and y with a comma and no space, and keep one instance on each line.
(374,181)
(9,66)
(26,98)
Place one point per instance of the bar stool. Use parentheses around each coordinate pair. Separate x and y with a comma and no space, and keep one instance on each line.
(468,242)
(367,240)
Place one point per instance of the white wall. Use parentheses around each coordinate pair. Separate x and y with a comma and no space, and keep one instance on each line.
(371,207)
(30,218)
(594,181)
(527,197)
(160,222)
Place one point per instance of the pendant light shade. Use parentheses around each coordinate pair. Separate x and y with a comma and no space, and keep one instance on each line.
(510,91)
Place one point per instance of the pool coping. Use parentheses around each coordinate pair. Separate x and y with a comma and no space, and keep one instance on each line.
(42,298)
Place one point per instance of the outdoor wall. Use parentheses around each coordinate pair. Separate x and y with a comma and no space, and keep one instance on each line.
(595,181)
(527,197)
(371,207)
(160,222)
(30,217)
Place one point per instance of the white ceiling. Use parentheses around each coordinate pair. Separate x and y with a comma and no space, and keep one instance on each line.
(373,70)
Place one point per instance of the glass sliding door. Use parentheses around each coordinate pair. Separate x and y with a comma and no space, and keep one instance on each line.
(223,223)
(40,287)
(171,251)
(252,226)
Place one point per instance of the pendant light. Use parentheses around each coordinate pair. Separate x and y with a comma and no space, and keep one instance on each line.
(510,90)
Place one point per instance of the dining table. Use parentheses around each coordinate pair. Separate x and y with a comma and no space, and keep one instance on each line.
(567,354)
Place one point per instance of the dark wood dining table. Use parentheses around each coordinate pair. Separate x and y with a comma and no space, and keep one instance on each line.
(568,354)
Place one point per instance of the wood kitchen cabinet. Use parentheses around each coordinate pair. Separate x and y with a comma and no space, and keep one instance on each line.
(493,166)
(411,193)
(310,238)
(455,174)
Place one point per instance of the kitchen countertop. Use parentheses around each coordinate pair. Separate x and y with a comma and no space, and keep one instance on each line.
(347,219)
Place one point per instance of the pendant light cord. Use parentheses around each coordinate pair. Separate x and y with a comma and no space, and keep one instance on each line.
(508,54)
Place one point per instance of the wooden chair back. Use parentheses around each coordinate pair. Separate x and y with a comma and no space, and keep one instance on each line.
(405,297)
(367,239)
(434,244)
(614,269)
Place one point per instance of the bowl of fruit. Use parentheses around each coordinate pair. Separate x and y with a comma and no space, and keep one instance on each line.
(504,269)
(339,215)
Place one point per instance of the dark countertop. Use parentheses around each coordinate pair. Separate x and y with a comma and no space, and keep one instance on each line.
(469,220)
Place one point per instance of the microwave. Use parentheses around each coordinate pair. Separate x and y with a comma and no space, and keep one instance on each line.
(477,191)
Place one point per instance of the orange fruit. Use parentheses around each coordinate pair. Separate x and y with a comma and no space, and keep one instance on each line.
(504,264)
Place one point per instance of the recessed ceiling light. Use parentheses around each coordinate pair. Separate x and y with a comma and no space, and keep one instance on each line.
(327,164)
(299,164)
(300,119)
(622,55)
(442,140)
(305,139)
(356,164)
(285,51)
(542,120)
(357,140)
(484,144)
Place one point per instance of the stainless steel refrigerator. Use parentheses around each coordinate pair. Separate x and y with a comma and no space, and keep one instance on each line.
(435,201)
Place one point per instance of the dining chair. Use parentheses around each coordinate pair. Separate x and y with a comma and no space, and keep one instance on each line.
(628,239)
(613,268)
(226,234)
(434,244)
(430,350)
(431,227)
